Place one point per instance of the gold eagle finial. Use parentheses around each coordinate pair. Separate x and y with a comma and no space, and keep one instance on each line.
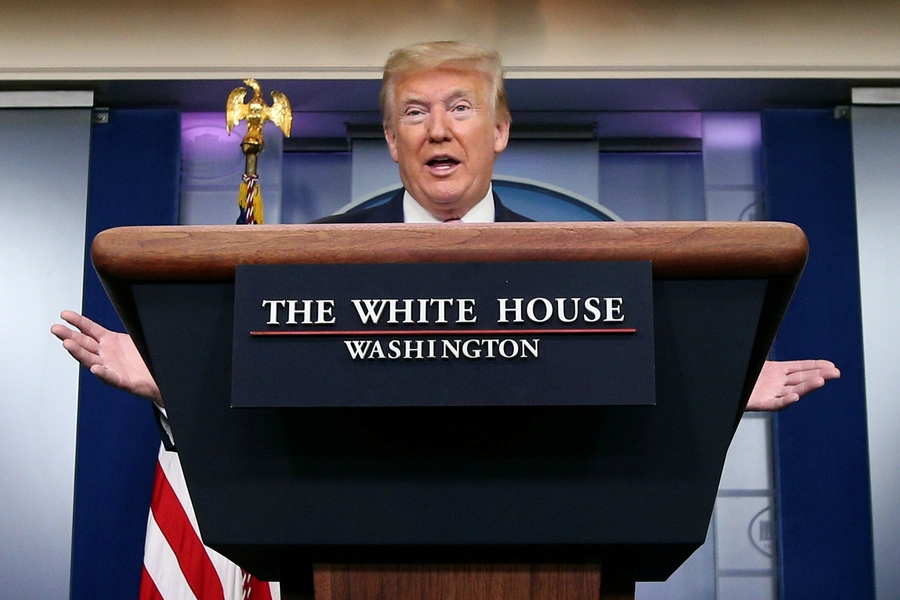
(257,113)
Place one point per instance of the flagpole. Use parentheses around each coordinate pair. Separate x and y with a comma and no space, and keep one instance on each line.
(176,562)
(256,113)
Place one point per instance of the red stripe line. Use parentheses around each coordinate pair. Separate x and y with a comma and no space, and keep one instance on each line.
(370,332)
(259,590)
(173,521)
(148,590)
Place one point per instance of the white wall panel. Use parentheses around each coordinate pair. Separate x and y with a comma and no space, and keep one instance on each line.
(43,169)
(876,157)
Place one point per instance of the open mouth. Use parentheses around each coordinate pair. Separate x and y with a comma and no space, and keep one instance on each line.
(442,164)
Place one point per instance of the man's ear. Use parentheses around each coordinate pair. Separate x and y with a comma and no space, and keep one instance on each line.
(501,136)
(391,139)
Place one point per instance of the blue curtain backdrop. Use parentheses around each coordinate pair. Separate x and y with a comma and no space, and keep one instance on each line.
(133,180)
(821,447)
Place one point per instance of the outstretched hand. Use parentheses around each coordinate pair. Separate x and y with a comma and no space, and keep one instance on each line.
(783,383)
(112,357)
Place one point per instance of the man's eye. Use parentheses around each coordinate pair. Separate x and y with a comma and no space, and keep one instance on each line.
(462,111)
(413,116)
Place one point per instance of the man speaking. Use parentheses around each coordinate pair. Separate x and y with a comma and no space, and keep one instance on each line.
(445,119)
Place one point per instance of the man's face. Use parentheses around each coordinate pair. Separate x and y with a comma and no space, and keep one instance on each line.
(442,134)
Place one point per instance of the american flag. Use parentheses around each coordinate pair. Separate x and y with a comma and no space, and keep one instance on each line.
(177,566)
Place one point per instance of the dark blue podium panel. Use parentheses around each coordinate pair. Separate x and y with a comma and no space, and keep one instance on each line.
(276,488)
(473,334)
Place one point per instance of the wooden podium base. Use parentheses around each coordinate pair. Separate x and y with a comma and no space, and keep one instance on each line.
(471,582)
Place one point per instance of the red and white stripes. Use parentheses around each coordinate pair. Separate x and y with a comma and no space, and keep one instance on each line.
(177,566)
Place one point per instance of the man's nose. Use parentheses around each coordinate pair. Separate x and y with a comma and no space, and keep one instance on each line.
(439,126)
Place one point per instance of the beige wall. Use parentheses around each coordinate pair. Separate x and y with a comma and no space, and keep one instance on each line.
(196,39)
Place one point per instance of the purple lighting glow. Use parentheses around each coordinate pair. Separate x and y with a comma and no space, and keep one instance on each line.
(732,130)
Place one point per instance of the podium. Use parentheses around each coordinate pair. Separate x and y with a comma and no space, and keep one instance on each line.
(415,503)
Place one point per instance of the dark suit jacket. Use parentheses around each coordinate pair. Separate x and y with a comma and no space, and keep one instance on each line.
(392,212)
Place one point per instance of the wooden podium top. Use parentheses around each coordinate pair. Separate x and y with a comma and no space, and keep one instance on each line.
(612,483)
(677,249)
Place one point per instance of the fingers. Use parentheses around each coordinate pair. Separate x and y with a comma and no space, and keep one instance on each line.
(787,399)
(83,324)
(783,383)
(75,338)
(830,373)
(81,343)
(73,318)
(803,376)
(808,375)
(80,353)
(773,402)
(61,331)
(110,356)
(808,385)
(794,366)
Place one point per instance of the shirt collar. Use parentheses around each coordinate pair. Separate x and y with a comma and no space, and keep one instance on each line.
(483,212)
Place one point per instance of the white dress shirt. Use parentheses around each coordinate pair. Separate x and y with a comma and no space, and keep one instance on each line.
(483,212)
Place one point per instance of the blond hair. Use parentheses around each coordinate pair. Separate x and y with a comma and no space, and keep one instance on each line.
(431,55)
